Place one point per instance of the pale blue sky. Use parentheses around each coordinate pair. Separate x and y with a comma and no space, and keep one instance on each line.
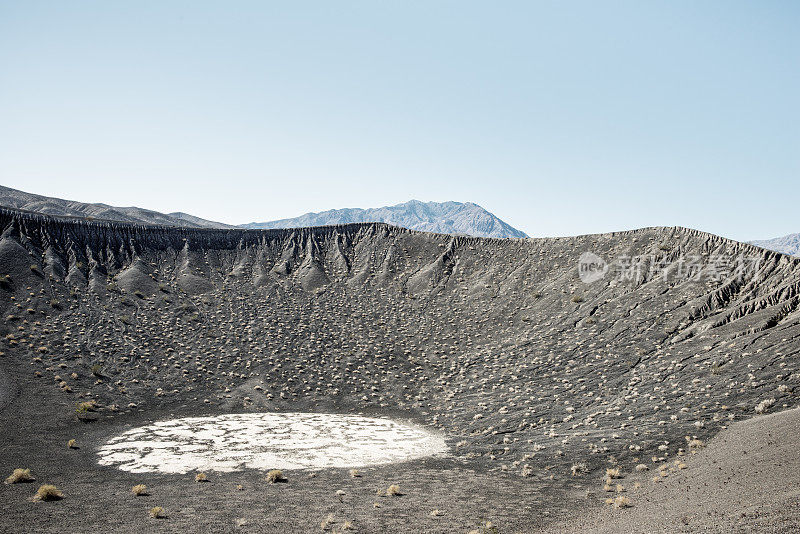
(560,117)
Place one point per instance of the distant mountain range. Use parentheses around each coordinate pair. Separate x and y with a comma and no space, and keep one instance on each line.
(14,198)
(788,244)
(441,217)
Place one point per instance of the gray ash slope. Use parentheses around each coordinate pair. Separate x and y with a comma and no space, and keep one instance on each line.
(496,342)
(440,217)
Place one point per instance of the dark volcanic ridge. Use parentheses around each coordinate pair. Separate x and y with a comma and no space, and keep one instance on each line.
(539,381)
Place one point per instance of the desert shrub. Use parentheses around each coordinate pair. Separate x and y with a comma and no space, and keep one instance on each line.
(19,475)
(201,477)
(275,475)
(48,492)
(55,304)
(139,294)
(695,443)
(764,405)
(576,298)
(485,528)
(578,469)
(72,444)
(613,472)
(527,471)
(393,490)
(355,473)
(156,512)
(5,281)
(96,369)
(327,522)
(622,502)
(641,467)
(83,411)
(140,490)
(86,406)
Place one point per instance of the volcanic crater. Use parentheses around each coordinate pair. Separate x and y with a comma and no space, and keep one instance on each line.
(531,386)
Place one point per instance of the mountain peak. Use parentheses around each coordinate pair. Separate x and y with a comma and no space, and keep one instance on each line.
(788,244)
(448,217)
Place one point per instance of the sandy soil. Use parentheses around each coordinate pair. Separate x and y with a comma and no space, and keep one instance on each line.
(746,480)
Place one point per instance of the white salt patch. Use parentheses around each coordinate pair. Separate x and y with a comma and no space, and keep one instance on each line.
(267,441)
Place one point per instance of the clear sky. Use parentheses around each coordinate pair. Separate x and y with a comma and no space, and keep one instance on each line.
(560,117)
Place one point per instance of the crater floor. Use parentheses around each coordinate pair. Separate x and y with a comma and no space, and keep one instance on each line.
(267,441)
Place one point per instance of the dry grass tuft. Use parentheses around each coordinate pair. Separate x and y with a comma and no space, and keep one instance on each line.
(393,490)
(613,472)
(327,522)
(48,492)
(276,475)
(764,405)
(156,512)
(696,444)
(641,467)
(622,502)
(140,490)
(578,469)
(19,475)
